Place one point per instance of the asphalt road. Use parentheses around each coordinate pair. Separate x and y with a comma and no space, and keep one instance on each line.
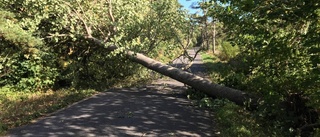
(158,109)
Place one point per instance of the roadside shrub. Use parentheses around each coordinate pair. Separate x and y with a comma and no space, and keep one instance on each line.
(228,51)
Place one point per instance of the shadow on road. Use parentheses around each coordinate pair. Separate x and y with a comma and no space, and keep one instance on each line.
(152,110)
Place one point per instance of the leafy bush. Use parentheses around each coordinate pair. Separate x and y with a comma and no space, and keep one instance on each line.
(228,51)
(24,64)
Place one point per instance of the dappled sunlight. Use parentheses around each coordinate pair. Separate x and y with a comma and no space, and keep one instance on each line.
(157,109)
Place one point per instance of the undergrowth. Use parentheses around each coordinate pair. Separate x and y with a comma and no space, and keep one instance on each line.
(233,120)
(19,108)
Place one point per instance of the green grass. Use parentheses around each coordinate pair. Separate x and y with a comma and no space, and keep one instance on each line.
(217,69)
(232,120)
(20,108)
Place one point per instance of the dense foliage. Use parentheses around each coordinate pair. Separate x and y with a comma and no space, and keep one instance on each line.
(279,59)
(44,43)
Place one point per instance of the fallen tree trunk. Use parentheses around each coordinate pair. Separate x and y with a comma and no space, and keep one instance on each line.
(198,83)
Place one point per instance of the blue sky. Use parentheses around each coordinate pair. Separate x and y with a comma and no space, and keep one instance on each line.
(187,3)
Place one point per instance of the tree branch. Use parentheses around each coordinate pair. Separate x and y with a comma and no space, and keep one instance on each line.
(57,35)
(114,28)
(310,126)
(88,28)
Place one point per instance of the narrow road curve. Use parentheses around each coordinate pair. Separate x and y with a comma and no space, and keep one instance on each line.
(158,109)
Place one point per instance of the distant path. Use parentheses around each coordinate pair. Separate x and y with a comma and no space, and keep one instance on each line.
(197,67)
(158,109)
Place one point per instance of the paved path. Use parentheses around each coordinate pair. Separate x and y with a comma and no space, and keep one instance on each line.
(197,66)
(158,109)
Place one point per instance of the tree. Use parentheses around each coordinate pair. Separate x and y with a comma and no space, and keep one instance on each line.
(206,23)
(279,47)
